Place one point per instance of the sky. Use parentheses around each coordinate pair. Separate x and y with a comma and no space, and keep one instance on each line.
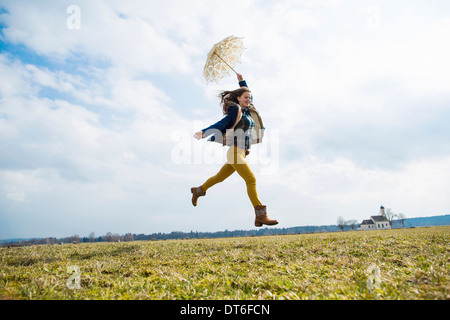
(99,101)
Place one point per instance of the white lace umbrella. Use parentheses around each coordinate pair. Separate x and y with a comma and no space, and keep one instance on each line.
(224,55)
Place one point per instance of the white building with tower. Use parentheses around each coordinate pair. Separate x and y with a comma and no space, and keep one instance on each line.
(379,222)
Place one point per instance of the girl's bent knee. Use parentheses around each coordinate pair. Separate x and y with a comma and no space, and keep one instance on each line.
(250,180)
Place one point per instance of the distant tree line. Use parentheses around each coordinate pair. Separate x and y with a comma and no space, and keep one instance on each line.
(235,233)
(341,224)
(114,237)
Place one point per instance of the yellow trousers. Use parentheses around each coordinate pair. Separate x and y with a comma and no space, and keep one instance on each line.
(236,162)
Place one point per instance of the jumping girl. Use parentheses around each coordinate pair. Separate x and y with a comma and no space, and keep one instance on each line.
(240,127)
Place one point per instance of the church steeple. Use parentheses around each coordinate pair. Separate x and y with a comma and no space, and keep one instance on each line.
(382,213)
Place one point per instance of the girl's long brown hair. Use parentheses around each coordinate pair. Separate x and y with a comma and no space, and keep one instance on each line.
(229,98)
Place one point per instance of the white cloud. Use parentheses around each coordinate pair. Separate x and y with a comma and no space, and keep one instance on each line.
(130,41)
(91,116)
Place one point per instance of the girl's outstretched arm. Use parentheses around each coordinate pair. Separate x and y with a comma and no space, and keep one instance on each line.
(227,120)
(242,82)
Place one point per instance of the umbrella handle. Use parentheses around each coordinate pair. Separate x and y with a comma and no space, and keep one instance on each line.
(225,62)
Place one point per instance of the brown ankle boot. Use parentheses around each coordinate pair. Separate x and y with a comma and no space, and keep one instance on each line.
(196,192)
(261,217)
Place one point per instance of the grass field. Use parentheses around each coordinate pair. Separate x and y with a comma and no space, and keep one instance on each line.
(388,264)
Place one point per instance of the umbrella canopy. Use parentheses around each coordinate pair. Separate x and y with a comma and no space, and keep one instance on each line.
(222,58)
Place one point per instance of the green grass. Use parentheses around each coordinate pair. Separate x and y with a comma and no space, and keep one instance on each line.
(413,264)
